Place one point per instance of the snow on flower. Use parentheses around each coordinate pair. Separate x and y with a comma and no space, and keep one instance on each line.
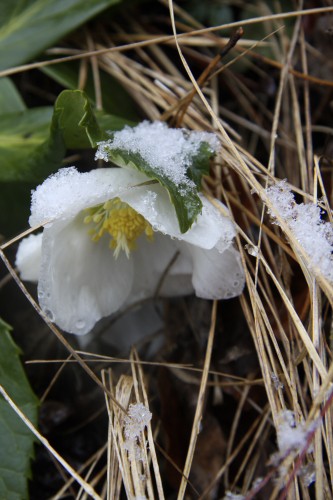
(109,238)
(169,150)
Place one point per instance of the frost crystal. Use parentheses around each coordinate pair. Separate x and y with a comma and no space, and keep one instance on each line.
(137,419)
(169,151)
(313,234)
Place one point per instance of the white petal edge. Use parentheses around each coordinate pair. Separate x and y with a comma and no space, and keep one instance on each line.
(28,257)
(80,281)
(216,275)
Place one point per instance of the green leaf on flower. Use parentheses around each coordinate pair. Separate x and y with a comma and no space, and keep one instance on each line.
(183,196)
(30,26)
(200,164)
(16,439)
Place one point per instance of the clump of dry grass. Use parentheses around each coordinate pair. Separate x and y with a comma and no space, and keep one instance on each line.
(266,134)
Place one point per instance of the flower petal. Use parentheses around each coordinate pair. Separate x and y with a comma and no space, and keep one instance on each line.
(154,204)
(28,257)
(153,273)
(66,193)
(80,281)
(216,275)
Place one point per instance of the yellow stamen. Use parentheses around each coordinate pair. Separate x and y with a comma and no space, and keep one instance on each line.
(121,222)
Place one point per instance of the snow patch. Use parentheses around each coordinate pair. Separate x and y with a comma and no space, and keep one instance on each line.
(304,220)
(170,151)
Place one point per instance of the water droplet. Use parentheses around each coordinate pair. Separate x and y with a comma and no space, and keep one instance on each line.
(253,251)
(236,283)
(40,295)
(80,324)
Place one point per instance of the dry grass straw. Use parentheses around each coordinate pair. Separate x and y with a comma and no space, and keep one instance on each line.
(134,468)
(282,347)
(293,350)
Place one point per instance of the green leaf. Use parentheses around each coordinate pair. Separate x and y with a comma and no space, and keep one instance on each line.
(20,135)
(200,164)
(33,143)
(16,440)
(10,99)
(28,27)
(75,121)
(116,101)
(183,196)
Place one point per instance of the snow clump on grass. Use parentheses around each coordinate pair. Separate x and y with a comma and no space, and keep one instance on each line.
(304,220)
(290,435)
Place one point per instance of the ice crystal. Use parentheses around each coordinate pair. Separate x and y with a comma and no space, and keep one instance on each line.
(136,420)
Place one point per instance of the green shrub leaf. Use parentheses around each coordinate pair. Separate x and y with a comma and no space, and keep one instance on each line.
(16,440)
(33,142)
(10,99)
(28,27)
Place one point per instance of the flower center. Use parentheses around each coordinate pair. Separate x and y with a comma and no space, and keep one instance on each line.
(121,222)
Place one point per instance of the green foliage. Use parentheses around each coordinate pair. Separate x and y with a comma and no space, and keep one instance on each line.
(16,440)
(200,164)
(33,144)
(184,197)
(21,134)
(28,27)
(116,101)
(74,120)
(10,99)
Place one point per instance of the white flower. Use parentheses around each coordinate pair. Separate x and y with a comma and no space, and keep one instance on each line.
(28,257)
(81,280)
